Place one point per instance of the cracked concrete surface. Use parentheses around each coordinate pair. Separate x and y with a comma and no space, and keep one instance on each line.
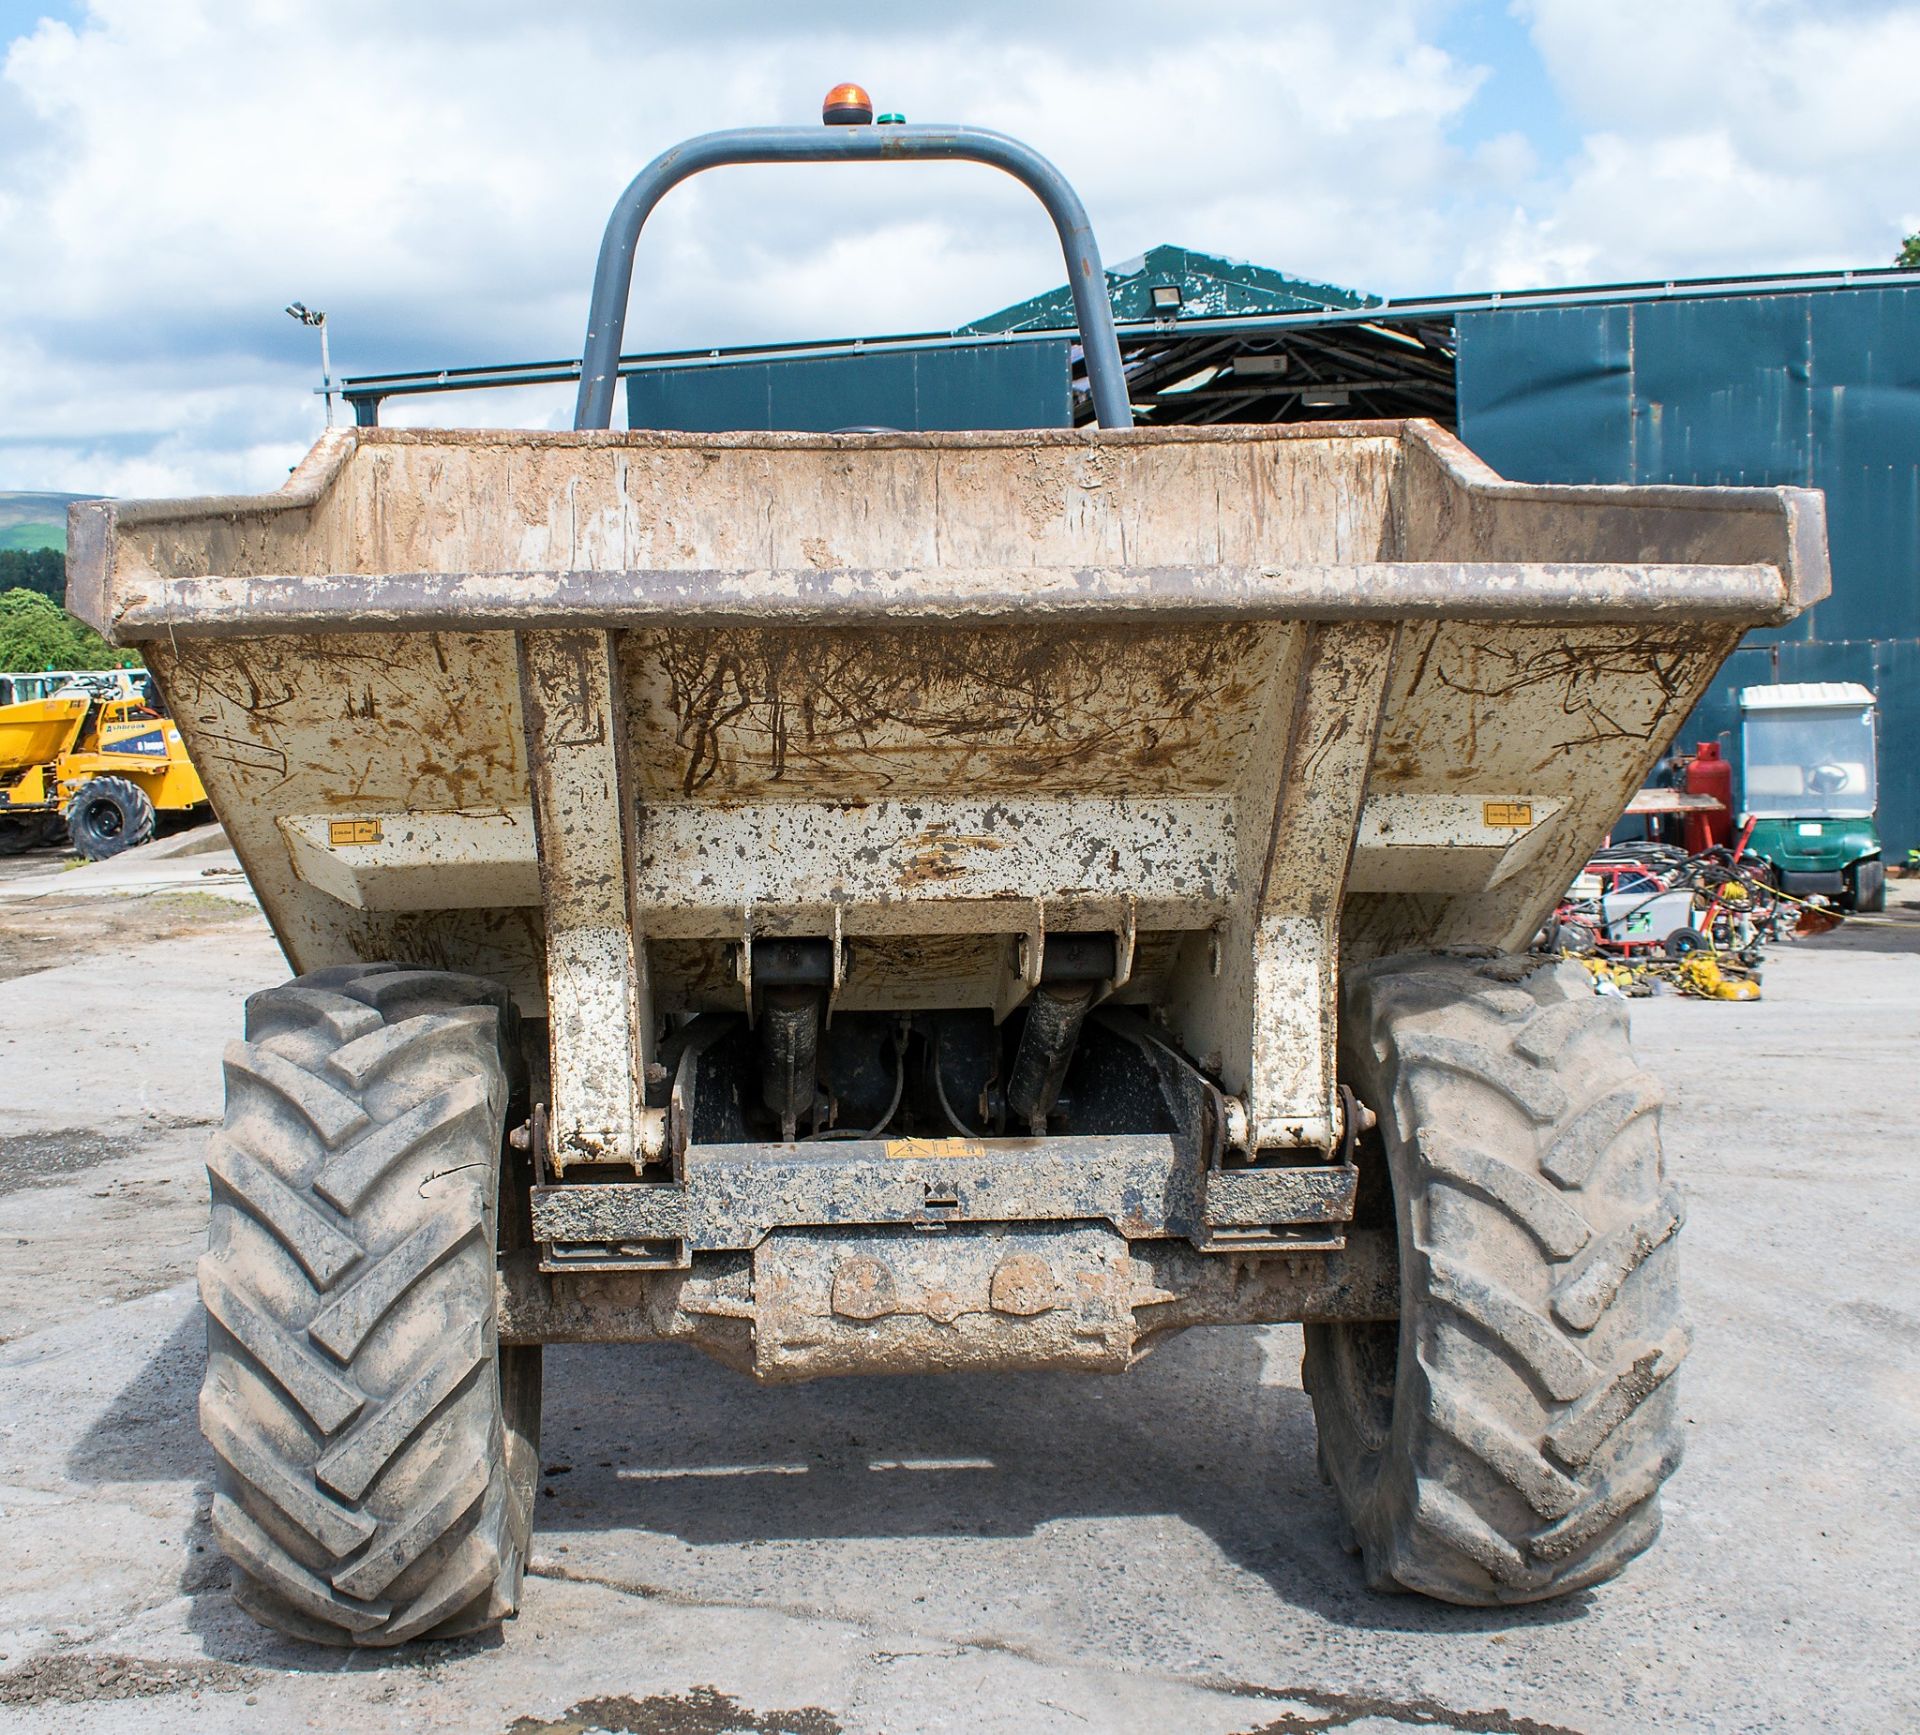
(1026,1553)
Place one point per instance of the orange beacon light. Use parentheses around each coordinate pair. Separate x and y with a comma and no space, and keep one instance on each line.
(847,105)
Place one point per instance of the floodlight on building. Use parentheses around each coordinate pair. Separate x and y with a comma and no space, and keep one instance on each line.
(314,317)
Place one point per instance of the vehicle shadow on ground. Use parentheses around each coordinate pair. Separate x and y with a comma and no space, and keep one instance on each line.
(1210,1431)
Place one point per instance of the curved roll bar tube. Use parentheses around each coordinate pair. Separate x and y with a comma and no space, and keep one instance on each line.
(613,275)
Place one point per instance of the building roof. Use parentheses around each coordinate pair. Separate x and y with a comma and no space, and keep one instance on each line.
(1246,344)
(1209,286)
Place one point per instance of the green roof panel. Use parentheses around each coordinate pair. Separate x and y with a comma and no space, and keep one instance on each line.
(1209,285)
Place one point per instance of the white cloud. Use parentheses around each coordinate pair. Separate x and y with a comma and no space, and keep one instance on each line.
(173,171)
(1721,136)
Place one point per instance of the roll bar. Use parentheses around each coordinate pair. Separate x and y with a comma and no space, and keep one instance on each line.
(613,275)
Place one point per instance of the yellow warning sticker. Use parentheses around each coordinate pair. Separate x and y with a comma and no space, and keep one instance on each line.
(901,1148)
(341,831)
(1507,813)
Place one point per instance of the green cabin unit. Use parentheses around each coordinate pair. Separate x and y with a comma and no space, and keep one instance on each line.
(1809,781)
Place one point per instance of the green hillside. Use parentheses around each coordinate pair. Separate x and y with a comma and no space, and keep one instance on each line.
(35,519)
(30,536)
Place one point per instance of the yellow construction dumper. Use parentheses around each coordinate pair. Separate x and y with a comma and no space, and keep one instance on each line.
(96,761)
(904,902)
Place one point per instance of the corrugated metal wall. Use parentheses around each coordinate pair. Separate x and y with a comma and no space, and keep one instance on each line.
(1821,389)
(991,385)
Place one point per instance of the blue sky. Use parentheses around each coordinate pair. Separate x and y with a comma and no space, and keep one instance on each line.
(17,18)
(1518,93)
(172,172)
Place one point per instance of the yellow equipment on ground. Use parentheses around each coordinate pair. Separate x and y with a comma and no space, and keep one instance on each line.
(1703,975)
(96,759)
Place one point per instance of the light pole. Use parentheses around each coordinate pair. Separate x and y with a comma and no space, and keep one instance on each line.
(309,316)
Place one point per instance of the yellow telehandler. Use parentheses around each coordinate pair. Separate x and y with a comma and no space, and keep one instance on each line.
(96,758)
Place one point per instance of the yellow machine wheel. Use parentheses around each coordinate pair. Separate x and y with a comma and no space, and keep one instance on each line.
(110,814)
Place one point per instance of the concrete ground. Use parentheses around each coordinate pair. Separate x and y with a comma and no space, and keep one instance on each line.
(1019,1554)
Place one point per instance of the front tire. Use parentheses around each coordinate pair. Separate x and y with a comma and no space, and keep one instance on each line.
(109,815)
(1505,1442)
(377,1447)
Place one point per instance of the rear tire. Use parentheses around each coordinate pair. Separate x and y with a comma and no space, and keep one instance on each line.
(1868,886)
(377,1447)
(109,815)
(1505,1442)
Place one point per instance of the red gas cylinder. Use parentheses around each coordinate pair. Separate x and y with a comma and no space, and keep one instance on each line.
(1709,774)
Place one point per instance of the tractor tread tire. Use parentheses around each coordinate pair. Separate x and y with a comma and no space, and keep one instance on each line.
(137,820)
(376,1448)
(1506,1442)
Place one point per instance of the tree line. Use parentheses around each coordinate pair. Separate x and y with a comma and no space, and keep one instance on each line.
(36,632)
(37,569)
